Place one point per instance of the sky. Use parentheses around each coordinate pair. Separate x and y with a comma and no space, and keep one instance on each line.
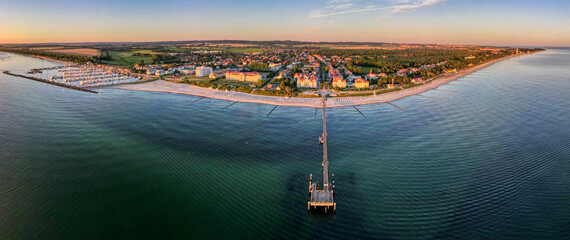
(477,22)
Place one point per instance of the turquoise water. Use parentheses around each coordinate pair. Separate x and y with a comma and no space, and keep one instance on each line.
(490,160)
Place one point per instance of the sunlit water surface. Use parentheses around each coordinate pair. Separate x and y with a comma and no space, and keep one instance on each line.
(490,160)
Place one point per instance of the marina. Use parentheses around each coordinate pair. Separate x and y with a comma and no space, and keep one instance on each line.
(50,82)
(87,76)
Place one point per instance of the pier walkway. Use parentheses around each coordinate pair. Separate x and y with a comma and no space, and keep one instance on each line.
(322,197)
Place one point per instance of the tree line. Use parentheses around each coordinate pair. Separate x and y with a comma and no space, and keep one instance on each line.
(57,56)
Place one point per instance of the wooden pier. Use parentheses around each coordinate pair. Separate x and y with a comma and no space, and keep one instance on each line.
(50,82)
(230,105)
(396,106)
(321,198)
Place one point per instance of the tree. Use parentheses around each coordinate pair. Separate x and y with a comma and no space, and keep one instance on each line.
(288,90)
(141,61)
(157,58)
(258,66)
(259,83)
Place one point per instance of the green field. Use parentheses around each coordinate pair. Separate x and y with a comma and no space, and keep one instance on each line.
(217,81)
(366,70)
(194,78)
(175,49)
(127,58)
(146,52)
(230,82)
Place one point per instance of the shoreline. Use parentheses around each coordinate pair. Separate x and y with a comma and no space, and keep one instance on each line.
(186,89)
(64,63)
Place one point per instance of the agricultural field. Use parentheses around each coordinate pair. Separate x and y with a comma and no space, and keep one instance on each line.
(223,45)
(126,58)
(229,49)
(46,48)
(175,49)
(352,46)
(146,52)
(245,50)
(365,47)
(88,52)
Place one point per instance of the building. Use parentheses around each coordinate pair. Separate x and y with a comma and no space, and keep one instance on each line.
(359,83)
(307,83)
(160,72)
(203,71)
(304,81)
(372,76)
(338,82)
(275,66)
(417,80)
(139,67)
(217,75)
(244,76)
(190,67)
(187,72)
(283,74)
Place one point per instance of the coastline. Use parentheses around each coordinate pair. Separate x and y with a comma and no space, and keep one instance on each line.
(186,89)
(43,58)
(178,88)
(55,60)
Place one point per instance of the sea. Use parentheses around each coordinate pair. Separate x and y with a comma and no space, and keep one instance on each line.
(487,158)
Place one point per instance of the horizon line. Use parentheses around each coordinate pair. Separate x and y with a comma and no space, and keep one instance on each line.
(288,40)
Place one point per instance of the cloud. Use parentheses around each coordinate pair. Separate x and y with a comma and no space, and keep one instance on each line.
(340,7)
(416,5)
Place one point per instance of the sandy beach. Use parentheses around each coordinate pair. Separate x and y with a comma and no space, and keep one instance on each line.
(164,86)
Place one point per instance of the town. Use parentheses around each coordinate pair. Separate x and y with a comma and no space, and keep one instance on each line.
(277,69)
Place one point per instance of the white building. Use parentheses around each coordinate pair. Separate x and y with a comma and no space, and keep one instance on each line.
(275,66)
(190,67)
(151,71)
(203,71)
(160,72)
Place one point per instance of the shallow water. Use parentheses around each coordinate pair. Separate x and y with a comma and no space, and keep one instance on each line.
(488,161)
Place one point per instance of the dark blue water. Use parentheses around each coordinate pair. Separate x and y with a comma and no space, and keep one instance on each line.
(488,161)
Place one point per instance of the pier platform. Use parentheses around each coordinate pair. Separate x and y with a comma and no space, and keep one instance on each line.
(319,199)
